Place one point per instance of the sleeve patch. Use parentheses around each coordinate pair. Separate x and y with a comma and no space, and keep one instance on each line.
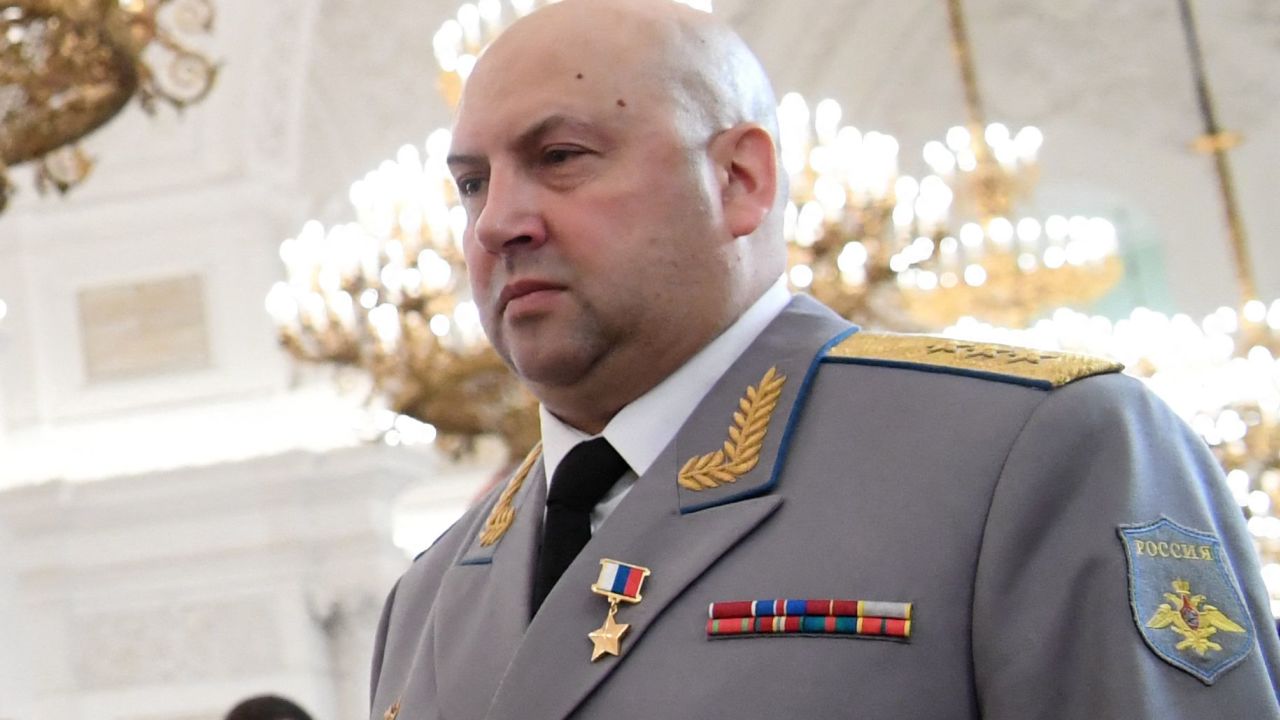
(1185,604)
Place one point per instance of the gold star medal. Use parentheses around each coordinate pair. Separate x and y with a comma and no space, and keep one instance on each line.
(619,582)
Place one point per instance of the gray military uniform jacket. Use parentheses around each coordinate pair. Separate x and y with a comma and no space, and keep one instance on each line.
(1034,532)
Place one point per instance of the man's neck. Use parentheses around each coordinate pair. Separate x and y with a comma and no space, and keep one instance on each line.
(621,376)
(642,427)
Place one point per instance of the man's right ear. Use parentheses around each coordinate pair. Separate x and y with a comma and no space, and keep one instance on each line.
(747,168)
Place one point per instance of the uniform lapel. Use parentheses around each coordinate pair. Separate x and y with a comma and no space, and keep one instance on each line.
(483,610)
(677,537)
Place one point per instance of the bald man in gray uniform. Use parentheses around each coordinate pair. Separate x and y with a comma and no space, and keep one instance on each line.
(811,521)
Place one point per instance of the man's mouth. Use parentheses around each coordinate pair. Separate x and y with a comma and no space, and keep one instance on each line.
(525,294)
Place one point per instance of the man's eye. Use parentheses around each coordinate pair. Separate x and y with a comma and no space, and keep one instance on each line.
(560,155)
(469,187)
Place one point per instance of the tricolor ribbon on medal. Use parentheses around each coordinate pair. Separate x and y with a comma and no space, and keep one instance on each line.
(618,582)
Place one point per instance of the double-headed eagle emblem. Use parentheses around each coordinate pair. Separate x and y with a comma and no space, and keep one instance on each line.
(1193,619)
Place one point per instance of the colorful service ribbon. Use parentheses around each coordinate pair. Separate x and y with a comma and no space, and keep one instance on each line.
(770,608)
(810,617)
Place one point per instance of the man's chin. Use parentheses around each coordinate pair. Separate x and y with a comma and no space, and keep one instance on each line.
(551,370)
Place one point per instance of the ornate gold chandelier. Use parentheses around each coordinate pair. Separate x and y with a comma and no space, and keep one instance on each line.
(68,66)
(892,251)
(1221,375)
(841,223)
(388,294)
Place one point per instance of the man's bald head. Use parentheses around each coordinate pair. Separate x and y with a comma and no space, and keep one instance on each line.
(653,51)
(618,164)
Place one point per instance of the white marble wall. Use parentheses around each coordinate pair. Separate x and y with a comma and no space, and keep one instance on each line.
(173,595)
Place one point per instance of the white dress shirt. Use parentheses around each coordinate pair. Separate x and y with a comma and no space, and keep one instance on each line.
(643,428)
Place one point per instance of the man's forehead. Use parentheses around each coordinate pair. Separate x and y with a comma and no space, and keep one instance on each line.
(474,142)
(551,90)
(579,45)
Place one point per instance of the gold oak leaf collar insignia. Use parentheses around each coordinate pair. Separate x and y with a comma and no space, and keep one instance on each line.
(741,452)
(504,512)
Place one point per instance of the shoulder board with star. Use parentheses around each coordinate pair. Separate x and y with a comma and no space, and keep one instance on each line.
(1001,363)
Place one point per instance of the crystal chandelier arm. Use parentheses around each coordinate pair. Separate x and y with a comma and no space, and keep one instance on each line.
(1217,142)
(989,179)
(968,75)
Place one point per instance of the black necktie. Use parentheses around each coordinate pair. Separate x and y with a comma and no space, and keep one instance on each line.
(581,480)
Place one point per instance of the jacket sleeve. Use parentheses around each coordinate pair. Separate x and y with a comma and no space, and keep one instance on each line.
(1059,630)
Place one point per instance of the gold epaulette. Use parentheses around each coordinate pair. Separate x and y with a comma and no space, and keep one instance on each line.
(1003,363)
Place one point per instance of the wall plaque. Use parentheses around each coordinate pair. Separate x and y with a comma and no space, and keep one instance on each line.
(145,328)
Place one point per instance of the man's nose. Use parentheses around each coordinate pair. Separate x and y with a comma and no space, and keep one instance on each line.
(511,219)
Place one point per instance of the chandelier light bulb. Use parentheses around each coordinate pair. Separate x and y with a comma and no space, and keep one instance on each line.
(466,64)
(939,159)
(437,144)
(466,317)
(1029,231)
(827,120)
(958,139)
(971,235)
(409,160)
(1260,502)
(831,195)
(849,143)
(905,189)
(853,257)
(1028,142)
(491,14)
(439,325)
(1056,227)
(1007,155)
(810,221)
(904,214)
(469,19)
(997,135)
(1054,257)
(1000,230)
(801,276)
(790,219)
(411,281)
(386,323)
(446,44)
(457,224)
(793,113)
(279,303)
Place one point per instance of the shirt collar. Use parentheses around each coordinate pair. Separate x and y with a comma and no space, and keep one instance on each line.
(643,428)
